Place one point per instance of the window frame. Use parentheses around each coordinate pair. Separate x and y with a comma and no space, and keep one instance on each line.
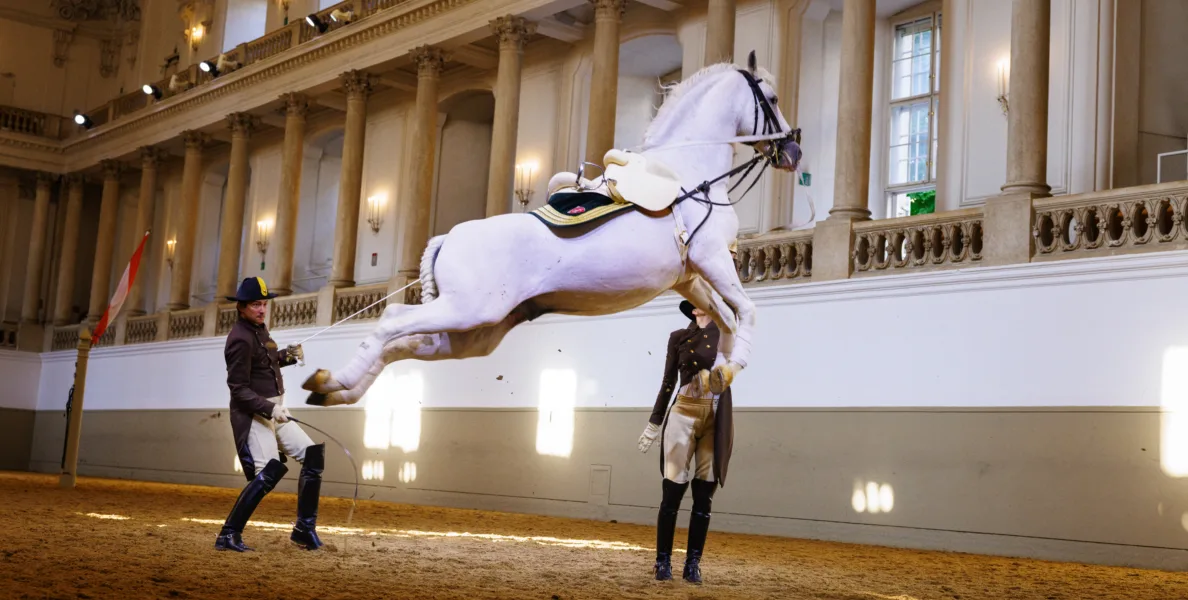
(930,10)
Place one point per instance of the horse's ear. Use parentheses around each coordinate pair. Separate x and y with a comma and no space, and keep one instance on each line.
(752,65)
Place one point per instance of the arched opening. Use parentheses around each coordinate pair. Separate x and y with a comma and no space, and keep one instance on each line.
(318,211)
(463,159)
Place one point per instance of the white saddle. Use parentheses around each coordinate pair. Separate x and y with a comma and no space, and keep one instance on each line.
(628,178)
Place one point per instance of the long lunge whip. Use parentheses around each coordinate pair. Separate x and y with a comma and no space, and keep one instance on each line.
(357,313)
(355,467)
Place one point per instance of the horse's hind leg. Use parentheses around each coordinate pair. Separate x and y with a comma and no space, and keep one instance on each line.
(717,267)
(432,346)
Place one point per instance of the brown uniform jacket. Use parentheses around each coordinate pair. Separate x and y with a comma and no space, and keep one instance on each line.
(689,351)
(253,375)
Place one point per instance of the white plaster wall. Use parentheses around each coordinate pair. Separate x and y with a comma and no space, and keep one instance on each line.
(638,99)
(245,21)
(21,372)
(167,214)
(261,204)
(204,278)
(1003,348)
(463,161)
(27,52)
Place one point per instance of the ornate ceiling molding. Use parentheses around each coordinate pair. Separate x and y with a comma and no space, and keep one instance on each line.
(79,11)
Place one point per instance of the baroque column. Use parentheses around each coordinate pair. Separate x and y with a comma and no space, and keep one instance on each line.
(105,244)
(604,82)
(10,203)
(512,32)
(231,228)
(187,220)
(32,295)
(719,32)
(416,198)
(146,206)
(1027,118)
(853,112)
(350,184)
(65,294)
(284,236)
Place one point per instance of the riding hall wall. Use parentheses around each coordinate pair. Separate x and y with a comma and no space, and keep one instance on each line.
(1012,410)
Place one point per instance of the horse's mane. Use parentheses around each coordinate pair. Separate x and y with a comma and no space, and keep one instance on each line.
(674,92)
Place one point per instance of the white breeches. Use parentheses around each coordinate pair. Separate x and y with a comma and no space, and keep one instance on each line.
(689,439)
(266,440)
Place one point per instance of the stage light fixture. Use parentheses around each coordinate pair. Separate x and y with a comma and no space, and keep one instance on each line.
(83,120)
(152,90)
(317,23)
(209,67)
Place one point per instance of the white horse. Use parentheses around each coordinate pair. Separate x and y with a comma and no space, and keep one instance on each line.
(486,276)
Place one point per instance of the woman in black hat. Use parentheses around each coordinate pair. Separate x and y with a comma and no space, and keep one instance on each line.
(695,430)
(261,425)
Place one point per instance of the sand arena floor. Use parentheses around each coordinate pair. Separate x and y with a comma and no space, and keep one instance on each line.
(125,539)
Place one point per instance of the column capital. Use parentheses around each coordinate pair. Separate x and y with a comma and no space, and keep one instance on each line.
(76,180)
(356,83)
(111,169)
(430,61)
(195,140)
(151,157)
(512,31)
(45,180)
(609,9)
(242,124)
(296,104)
(26,188)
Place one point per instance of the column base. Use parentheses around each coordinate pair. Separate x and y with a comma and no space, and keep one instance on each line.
(341,283)
(1037,189)
(175,306)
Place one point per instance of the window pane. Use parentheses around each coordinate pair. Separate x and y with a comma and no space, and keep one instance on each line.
(912,59)
(935,134)
(901,205)
(910,135)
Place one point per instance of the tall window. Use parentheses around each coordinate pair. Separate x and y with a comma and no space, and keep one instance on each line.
(915,91)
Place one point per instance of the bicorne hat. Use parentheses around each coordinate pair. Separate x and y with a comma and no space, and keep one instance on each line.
(687,309)
(251,290)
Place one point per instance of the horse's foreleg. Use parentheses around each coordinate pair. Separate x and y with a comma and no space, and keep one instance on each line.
(433,346)
(325,382)
(720,274)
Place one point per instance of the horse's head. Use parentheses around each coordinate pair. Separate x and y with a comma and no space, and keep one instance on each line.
(762,116)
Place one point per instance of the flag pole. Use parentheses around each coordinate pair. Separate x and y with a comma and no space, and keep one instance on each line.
(69,474)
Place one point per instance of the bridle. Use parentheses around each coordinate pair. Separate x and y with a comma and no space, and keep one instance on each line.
(772,133)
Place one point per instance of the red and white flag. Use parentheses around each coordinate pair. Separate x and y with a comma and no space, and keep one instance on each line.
(121,293)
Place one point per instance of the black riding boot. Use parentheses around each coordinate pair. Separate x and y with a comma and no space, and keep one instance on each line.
(309,486)
(666,527)
(703,493)
(245,505)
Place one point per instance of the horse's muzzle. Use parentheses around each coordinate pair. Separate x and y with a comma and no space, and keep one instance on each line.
(788,155)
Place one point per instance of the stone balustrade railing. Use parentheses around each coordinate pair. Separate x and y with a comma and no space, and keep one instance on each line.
(28,122)
(297,32)
(931,241)
(1139,219)
(1143,219)
(784,256)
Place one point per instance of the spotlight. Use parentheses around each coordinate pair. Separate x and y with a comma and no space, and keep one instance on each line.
(317,23)
(342,16)
(209,67)
(83,120)
(152,90)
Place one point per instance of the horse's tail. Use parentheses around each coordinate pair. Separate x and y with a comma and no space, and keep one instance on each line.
(428,281)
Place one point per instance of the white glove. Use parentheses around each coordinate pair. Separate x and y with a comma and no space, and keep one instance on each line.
(280,414)
(648,436)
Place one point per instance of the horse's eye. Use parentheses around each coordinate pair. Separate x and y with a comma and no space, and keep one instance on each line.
(775,99)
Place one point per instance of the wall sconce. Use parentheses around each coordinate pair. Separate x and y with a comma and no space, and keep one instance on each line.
(263,235)
(169,248)
(375,211)
(196,34)
(285,7)
(524,175)
(1004,82)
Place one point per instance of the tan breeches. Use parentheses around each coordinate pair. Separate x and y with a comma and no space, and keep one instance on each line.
(689,436)
(266,440)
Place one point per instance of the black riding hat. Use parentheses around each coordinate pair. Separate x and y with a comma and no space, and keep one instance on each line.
(251,290)
(687,309)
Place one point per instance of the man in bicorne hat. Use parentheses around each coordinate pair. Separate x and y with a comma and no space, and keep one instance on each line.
(261,423)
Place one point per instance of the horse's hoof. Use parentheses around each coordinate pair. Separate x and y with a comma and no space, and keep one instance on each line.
(320,382)
(721,378)
(316,399)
